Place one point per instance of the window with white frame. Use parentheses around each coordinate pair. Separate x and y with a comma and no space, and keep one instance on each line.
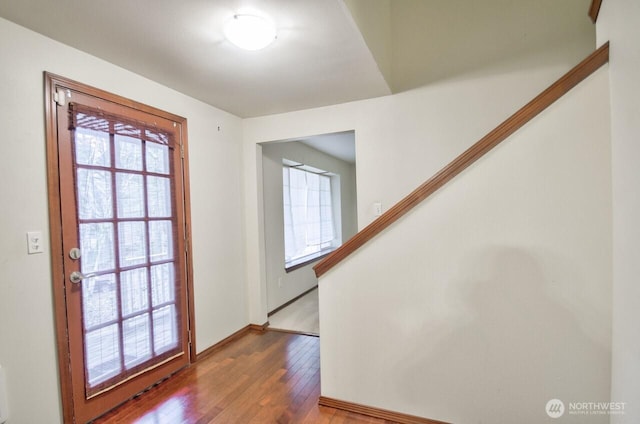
(309,225)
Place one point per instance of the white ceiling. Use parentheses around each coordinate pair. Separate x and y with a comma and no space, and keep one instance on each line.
(327,51)
(319,57)
(339,145)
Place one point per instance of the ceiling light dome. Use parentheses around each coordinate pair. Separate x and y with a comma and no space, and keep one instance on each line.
(250,32)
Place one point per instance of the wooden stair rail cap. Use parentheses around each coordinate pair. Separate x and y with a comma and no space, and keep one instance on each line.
(562,86)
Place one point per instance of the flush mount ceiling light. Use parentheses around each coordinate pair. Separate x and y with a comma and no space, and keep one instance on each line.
(250,32)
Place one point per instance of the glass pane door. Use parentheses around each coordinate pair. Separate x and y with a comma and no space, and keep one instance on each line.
(123,233)
(126,230)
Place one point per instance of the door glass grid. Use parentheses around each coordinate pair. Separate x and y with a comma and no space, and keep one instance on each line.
(126,233)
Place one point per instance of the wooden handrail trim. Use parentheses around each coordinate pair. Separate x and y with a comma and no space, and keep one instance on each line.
(594,10)
(516,121)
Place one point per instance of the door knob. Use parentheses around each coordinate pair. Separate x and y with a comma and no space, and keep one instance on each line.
(76,277)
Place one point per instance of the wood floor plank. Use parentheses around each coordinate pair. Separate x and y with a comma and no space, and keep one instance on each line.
(263,377)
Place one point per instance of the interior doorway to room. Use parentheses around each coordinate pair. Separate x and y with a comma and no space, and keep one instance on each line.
(119,223)
(310,197)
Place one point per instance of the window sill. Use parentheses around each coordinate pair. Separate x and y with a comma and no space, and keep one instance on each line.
(306,260)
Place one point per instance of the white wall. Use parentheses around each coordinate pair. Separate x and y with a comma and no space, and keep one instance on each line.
(27,341)
(494,295)
(619,23)
(401,140)
(302,279)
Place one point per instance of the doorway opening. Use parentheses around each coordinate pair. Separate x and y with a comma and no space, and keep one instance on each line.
(309,200)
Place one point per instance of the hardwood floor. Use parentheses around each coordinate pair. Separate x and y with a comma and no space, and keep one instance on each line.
(263,377)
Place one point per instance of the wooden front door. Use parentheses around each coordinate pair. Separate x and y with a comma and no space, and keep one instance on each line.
(123,233)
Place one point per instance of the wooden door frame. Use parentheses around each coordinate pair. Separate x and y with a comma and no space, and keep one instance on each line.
(51,81)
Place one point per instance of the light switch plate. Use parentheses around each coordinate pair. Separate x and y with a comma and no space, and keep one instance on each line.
(377,209)
(35,244)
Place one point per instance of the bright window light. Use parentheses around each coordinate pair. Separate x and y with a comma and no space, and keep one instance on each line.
(309,227)
(250,32)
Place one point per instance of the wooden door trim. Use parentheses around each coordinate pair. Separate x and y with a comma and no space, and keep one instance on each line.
(57,265)
(51,81)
